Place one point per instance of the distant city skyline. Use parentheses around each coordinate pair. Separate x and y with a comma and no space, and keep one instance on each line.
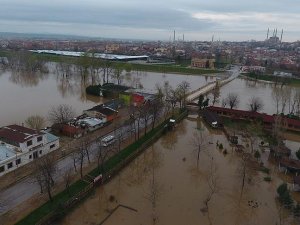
(230,20)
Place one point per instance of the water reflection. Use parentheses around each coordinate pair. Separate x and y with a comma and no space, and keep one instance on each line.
(27,79)
(182,187)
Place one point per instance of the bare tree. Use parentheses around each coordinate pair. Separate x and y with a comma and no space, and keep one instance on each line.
(183,89)
(118,70)
(67,176)
(199,142)
(155,110)
(45,171)
(102,155)
(35,122)
(85,144)
(294,104)
(155,189)
(80,154)
(255,104)
(213,188)
(285,97)
(74,158)
(253,130)
(134,114)
(61,113)
(245,172)
(276,93)
(145,115)
(233,100)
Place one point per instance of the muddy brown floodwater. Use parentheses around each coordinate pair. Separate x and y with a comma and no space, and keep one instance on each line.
(23,94)
(165,186)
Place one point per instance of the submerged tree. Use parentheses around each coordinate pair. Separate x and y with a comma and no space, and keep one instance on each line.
(255,104)
(213,188)
(199,142)
(233,100)
(35,122)
(61,113)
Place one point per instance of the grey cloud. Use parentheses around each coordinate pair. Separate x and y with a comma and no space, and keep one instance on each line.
(136,14)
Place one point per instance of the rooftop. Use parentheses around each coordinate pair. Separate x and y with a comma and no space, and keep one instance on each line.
(17,134)
(6,152)
(51,137)
(92,122)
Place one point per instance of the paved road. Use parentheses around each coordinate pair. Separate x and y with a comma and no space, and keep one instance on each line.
(28,187)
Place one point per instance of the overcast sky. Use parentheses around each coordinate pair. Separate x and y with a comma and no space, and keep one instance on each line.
(154,19)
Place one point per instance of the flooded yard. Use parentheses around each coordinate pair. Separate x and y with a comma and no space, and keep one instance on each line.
(164,185)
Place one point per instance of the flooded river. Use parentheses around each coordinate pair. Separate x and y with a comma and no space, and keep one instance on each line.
(247,89)
(23,95)
(164,185)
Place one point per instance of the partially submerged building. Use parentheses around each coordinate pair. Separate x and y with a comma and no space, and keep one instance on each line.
(20,145)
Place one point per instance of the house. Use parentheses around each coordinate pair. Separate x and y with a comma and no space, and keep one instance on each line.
(203,63)
(140,98)
(102,112)
(72,130)
(91,123)
(20,145)
(114,104)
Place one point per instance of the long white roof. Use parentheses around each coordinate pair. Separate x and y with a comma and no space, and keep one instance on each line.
(97,55)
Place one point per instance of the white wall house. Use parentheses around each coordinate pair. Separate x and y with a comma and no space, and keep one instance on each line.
(20,145)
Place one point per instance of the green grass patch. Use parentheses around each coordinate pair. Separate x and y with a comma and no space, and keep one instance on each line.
(58,200)
(173,69)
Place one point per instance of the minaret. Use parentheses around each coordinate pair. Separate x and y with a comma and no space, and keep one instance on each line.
(268,33)
(281,35)
(174,36)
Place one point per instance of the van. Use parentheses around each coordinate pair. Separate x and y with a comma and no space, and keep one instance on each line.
(108,140)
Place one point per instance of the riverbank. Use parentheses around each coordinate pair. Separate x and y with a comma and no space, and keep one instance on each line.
(66,199)
(272,79)
(163,68)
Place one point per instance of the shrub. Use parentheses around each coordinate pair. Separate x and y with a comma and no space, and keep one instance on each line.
(267,179)
(221,146)
(257,154)
(265,170)
(285,196)
(282,189)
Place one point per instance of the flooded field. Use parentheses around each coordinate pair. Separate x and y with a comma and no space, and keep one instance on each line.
(23,95)
(164,185)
